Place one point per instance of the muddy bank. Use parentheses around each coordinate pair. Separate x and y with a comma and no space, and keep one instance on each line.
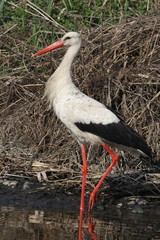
(130,192)
(32,194)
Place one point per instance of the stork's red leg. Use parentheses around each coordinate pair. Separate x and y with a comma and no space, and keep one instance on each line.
(84,173)
(114,160)
(91,227)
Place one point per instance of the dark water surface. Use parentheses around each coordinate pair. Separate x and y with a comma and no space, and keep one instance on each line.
(31,224)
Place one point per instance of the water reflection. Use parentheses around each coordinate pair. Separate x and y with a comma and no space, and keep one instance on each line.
(24,224)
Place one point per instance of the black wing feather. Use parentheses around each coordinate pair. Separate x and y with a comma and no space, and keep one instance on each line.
(119,133)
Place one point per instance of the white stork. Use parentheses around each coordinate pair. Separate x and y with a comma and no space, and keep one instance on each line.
(87,119)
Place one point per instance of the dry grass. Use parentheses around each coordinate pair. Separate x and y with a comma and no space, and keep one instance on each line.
(118,65)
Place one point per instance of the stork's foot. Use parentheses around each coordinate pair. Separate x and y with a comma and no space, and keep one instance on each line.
(91,201)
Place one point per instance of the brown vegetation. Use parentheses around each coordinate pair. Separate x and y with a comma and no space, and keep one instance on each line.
(118,65)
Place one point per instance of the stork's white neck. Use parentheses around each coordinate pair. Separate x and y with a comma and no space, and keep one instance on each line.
(65,65)
(60,82)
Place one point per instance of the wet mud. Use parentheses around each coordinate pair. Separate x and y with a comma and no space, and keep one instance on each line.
(33,194)
(33,210)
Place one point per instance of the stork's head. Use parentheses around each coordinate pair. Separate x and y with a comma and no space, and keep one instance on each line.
(69,39)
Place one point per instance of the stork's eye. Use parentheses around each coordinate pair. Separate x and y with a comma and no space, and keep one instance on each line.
(67,38)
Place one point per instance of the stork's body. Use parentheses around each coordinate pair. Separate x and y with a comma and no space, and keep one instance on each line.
(87,119)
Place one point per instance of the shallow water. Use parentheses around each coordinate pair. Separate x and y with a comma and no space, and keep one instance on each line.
(31,224)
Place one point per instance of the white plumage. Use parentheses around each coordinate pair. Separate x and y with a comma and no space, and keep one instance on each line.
(69,103)
(72,106)
(86,118)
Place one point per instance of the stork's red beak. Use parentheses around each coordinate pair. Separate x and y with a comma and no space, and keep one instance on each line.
(51,47)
